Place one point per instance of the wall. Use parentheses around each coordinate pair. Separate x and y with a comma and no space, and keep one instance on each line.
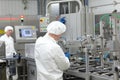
(16,7)
(104,6)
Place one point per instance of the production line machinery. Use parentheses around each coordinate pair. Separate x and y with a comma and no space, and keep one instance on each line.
(87,61)
(93,62)
(24,65)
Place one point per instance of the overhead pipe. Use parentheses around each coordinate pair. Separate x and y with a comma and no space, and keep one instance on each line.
(38,6)
(86,4)
(114,3)
(44,6)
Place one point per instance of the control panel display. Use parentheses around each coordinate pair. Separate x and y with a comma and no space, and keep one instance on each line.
(25,33)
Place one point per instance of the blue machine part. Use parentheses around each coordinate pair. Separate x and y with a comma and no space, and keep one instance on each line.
(62,20)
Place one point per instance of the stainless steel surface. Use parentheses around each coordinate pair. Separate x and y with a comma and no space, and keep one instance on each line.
(31,70)
(25,33)
(2,50)
(29,50)
(76,73)
(97,77)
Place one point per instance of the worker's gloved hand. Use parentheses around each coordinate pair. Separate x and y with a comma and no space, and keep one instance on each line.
(62,20)
(67,54)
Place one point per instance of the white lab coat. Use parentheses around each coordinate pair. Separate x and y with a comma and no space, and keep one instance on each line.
(9,44)
(50,59)
(9,49)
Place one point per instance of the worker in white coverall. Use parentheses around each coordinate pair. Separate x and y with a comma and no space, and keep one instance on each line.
(49,56)
(9,47)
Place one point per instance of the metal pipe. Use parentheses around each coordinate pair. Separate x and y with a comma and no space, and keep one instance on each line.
(116,73)
(115,61)
(87,63)
(38,6)
(86,2)
(114,3)
(44,6)
(69,8)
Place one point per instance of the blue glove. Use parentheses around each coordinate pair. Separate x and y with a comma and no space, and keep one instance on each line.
(62,20)
(67,54)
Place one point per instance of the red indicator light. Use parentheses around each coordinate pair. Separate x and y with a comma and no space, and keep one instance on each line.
(21,16)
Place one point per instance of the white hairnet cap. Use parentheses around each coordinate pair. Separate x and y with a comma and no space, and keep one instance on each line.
(8,28)
(56,27)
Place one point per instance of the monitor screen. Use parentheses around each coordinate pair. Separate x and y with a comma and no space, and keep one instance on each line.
(26,32)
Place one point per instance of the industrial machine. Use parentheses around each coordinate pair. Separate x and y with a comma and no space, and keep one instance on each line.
(25,33)
(101,53)
(25,39)
(93,56)
(75,39)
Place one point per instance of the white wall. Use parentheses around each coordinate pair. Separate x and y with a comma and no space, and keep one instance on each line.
(104,6)
(16,7)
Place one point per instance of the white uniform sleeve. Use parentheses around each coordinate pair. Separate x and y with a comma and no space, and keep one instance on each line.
(60,59)
(2,38)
